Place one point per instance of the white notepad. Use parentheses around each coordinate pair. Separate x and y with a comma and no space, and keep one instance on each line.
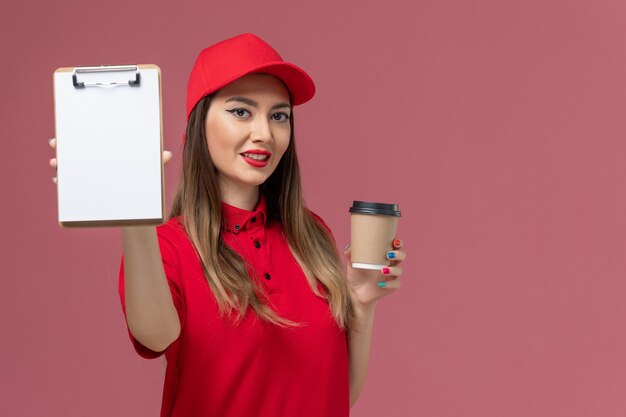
(109,145)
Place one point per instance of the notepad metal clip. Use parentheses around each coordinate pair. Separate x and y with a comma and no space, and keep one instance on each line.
(105,69)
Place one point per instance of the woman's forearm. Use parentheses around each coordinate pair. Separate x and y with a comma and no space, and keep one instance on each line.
(359,346)
(150,313)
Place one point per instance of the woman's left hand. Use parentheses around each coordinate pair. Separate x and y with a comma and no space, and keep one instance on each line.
(368,286)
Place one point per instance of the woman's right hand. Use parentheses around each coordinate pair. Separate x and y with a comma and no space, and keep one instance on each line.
(148,299)
(167,156)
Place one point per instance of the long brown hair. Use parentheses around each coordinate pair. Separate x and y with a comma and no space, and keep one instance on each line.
(198,204)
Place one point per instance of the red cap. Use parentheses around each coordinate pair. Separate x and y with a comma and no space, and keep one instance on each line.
(230,59)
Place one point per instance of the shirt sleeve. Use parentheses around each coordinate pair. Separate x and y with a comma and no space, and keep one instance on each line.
(171,267)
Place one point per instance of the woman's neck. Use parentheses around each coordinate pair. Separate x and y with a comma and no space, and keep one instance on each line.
(244,199)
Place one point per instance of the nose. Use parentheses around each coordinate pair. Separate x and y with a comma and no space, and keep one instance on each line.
(261,131)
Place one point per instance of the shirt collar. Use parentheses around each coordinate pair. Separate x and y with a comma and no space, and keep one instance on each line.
(237,219)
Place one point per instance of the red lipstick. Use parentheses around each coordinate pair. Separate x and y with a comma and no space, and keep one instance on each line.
(255,162)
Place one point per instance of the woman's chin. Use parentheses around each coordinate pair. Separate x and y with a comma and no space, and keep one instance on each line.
(256,181)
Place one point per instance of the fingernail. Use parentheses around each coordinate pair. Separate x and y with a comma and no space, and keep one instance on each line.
(382,284)
(396,242)
(53,179)
(345,248)
(49,141)
(391,255)
(386,271)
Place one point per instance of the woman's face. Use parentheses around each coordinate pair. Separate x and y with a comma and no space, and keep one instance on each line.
(248,131)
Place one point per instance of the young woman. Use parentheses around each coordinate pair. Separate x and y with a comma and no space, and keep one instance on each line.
(243,288)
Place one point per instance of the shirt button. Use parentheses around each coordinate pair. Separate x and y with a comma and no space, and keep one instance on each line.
(257,244)
(237,227)
(253,219)
(268,276)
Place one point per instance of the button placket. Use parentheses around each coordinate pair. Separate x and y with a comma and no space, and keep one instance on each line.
(243,239)
(258,237)
(261,250)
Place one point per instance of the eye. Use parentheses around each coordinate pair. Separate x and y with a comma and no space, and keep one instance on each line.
(239,112)
(280,117)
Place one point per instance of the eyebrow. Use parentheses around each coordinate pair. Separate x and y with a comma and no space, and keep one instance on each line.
(253,103)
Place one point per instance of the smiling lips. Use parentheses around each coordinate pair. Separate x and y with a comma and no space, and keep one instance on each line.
(257,158)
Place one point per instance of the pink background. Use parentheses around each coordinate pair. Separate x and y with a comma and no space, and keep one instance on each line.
(496,125)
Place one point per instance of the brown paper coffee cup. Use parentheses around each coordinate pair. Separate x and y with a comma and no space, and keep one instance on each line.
(373,228)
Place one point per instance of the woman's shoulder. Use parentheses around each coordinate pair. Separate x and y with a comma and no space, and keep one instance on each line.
(173,223)
(173,240)
(316,216)
(319,219)
(172,229)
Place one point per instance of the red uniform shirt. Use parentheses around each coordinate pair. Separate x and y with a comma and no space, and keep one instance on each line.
(255,368)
